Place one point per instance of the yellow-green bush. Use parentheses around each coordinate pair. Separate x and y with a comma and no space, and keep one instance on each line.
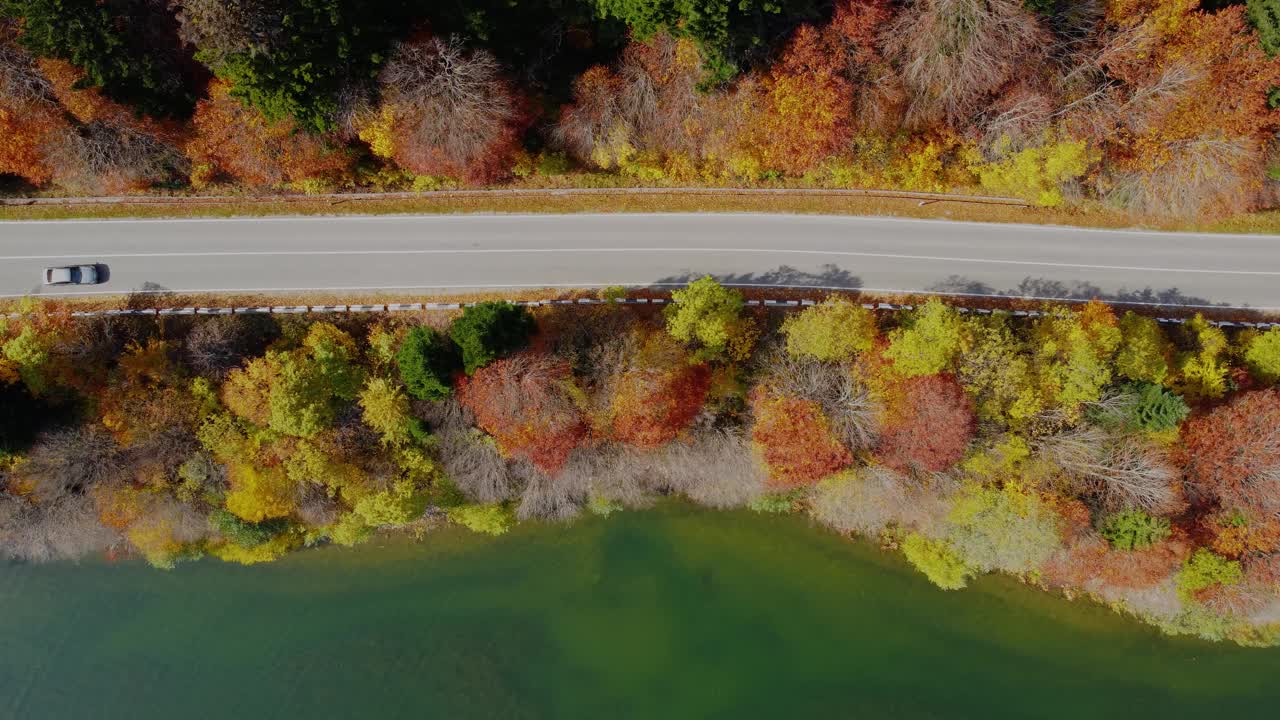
(1036,173)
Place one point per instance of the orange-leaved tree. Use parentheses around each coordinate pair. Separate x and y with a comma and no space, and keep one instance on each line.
(795,440)
(29,113)
(235,143)
(1187,115)
(658,394)
(807,108)
(25,130)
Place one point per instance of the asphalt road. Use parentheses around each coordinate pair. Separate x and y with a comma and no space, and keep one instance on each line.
(493,251)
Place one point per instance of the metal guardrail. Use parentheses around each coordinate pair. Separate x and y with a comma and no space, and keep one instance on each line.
(576,302)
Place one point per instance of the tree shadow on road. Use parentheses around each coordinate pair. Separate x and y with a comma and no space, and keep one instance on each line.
(150,295)
(828,276)
(1074,290)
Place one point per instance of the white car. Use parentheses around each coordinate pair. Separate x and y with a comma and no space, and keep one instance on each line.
(72,275)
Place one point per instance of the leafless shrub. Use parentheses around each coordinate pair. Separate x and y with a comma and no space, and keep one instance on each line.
(953,54)
(1197,177)
(103,157)
(219,28)
(21,81)
(97,342)
(469,457)
(316,507)
(595,114)
(1118,472)
(846,402)
(217,344)
(472,462)
(651,101)
(660,95)
(69,462)
(1017,119)
(457,107)
(355,440)
(181,522)
(1093,109)
(443,415)
(613,473)
(871,499)
(64,529)
(1268,614)
(716,469)
(556,499)
(598,342)
(1076,27)
(166,448)
(1244,599)
(864,503)
(1148,102)
(881,101)
(1256,597)
(1158,602)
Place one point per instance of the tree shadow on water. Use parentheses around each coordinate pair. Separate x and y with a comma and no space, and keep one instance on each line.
(828,276)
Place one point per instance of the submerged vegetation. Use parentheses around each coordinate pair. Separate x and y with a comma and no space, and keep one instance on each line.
(1159,108)
(1081,451)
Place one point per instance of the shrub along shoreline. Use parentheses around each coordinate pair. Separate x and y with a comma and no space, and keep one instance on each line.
(1086,451)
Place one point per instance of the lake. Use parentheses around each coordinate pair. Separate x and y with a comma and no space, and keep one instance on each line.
(673,612)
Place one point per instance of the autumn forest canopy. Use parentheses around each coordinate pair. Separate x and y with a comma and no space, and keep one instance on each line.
(1157,107)
(1082,450)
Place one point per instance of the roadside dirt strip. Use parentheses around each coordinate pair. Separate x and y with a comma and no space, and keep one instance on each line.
(924,197)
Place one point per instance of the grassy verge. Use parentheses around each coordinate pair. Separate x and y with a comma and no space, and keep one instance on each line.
(648,202)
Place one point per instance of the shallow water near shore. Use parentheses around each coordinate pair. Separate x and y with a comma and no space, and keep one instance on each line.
(673,612)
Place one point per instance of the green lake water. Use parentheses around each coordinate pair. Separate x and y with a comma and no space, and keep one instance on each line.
(672,613)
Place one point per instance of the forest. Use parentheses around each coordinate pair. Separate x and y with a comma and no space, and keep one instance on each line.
(1159,108)
(1086,451)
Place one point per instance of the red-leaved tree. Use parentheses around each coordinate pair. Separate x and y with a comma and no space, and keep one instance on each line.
(524,402)
(1232,454)
(930,425)
(1091,563)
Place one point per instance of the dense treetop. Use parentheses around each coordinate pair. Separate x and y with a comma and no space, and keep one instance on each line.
(1125,458)
(1157,107)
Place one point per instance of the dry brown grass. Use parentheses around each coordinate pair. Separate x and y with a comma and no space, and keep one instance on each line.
(1095,216)
(648,202)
